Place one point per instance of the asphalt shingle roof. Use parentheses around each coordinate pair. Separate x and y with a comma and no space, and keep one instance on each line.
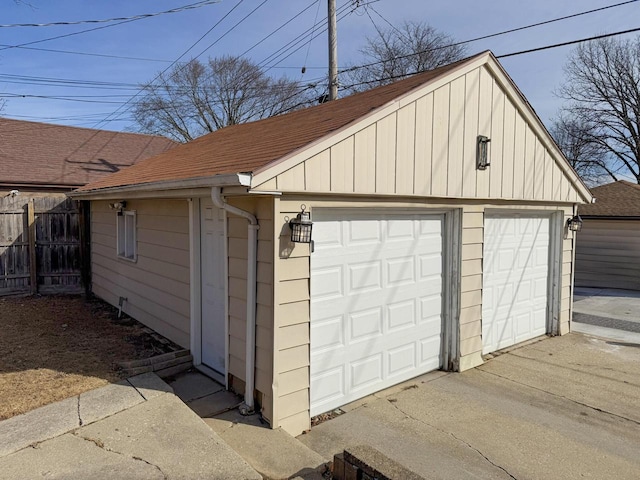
(617,199)
(247,147)
(42,155)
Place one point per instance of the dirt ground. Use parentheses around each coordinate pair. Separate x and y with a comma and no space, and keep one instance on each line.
(55,347)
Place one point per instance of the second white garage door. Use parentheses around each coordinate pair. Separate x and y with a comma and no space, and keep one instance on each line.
(376,303)
(515,279)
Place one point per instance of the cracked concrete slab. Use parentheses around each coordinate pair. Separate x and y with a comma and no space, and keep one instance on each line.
(149,385)
(38,425)
(273,453)
(69,457)
(165,433)
(105,401)
(565,407)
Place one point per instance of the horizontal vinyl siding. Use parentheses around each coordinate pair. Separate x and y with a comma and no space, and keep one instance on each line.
(237,238)
(471,282)
(157,284)
(292,325)
(608,254)
(427,147)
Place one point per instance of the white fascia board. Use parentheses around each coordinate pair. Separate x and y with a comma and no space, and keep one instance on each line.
(523,106)
(171,188)
(289,161)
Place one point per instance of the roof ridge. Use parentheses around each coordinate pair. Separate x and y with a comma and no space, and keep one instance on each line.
(72,127)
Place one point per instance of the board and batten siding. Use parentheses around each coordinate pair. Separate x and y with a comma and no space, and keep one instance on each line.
(156,285)
(427,147)
(237,240)
(608,254)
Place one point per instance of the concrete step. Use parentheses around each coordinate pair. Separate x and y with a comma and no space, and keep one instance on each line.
(274,454)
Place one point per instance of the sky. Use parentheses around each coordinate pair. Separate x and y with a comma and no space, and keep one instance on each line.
(85,79)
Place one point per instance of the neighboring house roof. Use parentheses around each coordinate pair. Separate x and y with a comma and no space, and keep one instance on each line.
(264,148)
(247,147)
(55,156)
(617,199)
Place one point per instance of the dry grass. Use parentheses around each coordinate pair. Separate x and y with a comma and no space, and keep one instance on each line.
(60,346)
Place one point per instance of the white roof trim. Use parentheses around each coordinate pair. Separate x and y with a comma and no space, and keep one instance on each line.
(227,180)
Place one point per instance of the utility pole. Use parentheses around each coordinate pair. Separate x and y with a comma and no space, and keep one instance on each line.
(333,52)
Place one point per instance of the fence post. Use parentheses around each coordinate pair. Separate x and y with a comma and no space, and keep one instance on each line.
(31,215)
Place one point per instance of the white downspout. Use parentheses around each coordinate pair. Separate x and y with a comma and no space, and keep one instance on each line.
(252,263)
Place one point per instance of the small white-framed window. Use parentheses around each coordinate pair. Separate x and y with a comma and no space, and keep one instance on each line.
(127,248)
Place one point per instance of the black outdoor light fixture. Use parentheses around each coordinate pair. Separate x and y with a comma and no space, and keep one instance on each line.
(482,152)
(301,226)
(574,223)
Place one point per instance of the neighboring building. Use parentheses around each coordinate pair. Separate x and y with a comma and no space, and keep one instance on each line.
(42,157)
(608,246)
(420,260)
(39,164)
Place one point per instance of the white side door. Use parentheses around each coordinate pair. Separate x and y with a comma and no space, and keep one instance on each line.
(212,255)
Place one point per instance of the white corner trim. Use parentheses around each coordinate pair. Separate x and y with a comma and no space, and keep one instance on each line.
(195,296)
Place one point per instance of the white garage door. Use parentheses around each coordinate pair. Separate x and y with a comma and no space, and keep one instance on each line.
(376,303)
(515,280)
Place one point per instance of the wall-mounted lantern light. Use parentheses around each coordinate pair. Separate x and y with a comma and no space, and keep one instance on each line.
(301,227)
(574,223)
(119,206)
(482,152)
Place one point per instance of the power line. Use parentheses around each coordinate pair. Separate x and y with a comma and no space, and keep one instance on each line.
(232,28)
(172,63)
(116,19)
(279,28)
(506,55)
(571,42)
(484,37)
(88,54)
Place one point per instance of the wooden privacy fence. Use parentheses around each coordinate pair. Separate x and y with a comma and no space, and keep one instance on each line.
(43,245)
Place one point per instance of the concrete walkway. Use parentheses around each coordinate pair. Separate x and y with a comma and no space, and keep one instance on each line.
(607,313)
(564,407)
(135,429)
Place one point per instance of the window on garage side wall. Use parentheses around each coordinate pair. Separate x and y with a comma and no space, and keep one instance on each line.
(127,235)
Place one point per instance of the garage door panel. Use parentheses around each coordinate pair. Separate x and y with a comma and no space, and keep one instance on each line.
(329,385)
(365,324)
(430,307)
(365,277)
(385,326)
(365,372)
(328,284)
(328,333)
(402,360)
(515,280)
(401,315)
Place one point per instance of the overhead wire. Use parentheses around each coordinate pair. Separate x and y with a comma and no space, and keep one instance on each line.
(115,19)
(492,35)
(193,45)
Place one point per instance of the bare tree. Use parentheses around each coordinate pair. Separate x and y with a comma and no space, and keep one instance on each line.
(198,98)
(585,156)
(399,52)
(602,88)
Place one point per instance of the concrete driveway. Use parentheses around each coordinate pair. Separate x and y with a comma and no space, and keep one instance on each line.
(561,408)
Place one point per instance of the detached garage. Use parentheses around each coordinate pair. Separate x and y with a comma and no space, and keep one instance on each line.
(608,246)
(438,209)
